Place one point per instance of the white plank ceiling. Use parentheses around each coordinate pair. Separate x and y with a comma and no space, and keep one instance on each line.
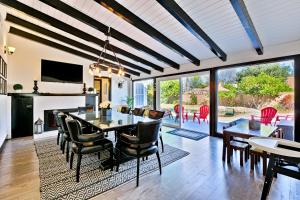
(276,21)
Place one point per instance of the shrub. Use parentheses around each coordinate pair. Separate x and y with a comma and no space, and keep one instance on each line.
(193,99)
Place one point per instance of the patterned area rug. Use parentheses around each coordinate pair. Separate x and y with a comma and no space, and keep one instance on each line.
(58,180)
(188,134)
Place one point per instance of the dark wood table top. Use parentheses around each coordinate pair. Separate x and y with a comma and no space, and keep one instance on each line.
(115,121)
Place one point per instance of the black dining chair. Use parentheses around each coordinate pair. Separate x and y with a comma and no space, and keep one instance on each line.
(58,125)
(85,109)
(125,110)
(66,135)
(138,112)
(86,144)
(156,114)
(143,144)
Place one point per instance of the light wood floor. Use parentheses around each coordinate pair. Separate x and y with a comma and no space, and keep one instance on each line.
(201,175)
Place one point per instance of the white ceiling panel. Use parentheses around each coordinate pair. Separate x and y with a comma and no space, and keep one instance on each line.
(276,22)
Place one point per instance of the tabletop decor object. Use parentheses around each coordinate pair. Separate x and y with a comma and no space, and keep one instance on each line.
(35,87)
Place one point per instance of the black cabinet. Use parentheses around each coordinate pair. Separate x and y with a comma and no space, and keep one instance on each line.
(21,116)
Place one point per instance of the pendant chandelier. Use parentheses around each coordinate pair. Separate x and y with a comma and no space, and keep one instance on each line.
(102,66)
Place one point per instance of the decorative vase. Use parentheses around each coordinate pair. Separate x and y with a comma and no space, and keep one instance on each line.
(84,88)
(35,87)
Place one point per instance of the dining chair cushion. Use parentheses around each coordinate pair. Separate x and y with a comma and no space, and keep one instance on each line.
(90,137)
(91,147)
(135,151)
(129,138)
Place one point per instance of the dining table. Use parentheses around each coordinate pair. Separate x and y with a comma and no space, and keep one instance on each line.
(242,130)
(114,122)
(284,156)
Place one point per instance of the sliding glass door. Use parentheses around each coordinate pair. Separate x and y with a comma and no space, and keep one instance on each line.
(185,100)
(169,101)
(195,102)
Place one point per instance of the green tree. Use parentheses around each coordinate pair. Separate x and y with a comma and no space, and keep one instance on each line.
(273,70)
(169,91)
(150,92)
(263,85)
(196,82)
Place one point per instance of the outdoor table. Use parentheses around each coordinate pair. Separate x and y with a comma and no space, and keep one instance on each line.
(241,130)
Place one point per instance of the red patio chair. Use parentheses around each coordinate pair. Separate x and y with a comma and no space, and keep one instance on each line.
(266,116)
(203,113)
(184,114)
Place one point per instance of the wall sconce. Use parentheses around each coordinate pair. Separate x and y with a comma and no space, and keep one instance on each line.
(9,50)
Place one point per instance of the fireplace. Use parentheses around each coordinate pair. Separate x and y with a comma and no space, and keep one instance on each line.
(49,121)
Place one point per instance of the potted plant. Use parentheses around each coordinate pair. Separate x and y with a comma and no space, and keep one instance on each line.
(18,87)
(129,101)
(90,90)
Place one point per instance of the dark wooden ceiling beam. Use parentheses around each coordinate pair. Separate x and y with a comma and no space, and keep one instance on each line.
(176,11)
(72,30)
(134,20)
(39,29)
(69,10)
(61,47)
(242,12)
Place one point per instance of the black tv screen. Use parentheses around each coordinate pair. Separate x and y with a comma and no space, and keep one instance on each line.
(53,71)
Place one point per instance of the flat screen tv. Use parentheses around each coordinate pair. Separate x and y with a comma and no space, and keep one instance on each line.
(53,71)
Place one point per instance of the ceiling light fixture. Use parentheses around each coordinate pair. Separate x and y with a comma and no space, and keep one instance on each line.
(95,68)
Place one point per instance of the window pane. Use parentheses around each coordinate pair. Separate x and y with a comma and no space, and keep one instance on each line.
(143,93)
(245,92)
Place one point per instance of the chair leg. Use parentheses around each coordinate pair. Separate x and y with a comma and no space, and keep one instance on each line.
(99,155)
(252,161)
(224,151)
(264,165)
(241,158)
(137,172)
(159,163)
(68,150)
(63,147)
(111,157)
(57,140)
(162,143)
(71,160)
(78,167)
(61,142)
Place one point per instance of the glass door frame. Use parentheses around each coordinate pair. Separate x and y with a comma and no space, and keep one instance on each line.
(157,82)
(177,77)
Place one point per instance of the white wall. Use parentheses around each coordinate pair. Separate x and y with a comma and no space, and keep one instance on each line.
(25,66)
(280,50)
(3,98)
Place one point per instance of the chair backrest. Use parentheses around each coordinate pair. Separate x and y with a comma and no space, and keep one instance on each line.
(176,109)
(267,114)
(55,113)
(125,110)
(86,109)
(62,120)
(156,114)
(148,132)
(74,127)
(204,111)
(138,111)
